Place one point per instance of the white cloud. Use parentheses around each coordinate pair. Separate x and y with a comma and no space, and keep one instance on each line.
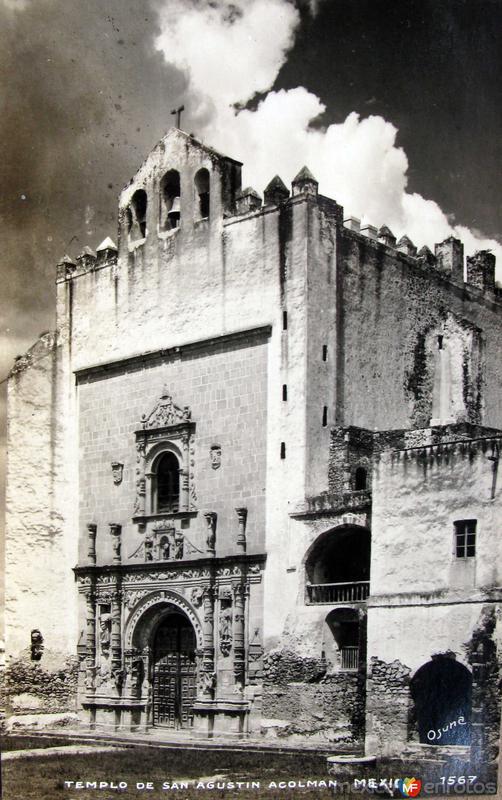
(230,51)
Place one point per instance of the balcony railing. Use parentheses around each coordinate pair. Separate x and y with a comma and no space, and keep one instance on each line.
(354,592)
(350,657)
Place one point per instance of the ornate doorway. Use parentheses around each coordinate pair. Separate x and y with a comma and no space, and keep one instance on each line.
(174,672)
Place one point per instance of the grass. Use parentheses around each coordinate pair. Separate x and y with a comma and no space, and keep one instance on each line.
(42,778)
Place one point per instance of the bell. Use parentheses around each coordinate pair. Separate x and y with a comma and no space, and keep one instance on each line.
(173,214)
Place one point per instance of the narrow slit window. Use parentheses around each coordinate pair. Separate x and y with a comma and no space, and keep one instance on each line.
(325,352)
(283,449)
(284,391)
(284,320)
(324,416)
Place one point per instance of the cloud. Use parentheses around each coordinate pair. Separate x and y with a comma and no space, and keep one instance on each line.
(229,50)
(232,51)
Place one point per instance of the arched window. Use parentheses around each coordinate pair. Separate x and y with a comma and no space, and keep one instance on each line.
(342,640)
(170,193)
(167,483)
(136,215)
(360,479)
(338,566)
(202,191)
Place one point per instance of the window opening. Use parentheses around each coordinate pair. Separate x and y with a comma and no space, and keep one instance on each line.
(170,193)
(136,215)
(325,352)
(465,538)
(283,449)
(360,479)
(168,483)
(202,189)
(284,391)
(324,416)
(284,320)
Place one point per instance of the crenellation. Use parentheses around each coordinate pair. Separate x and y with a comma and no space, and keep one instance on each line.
(353,224)
(406,246)
(370,231)
(426,255)
(386,236)
(450,259)
(481,271)
(65,269)
(276,192)
(305,183)
(248,199)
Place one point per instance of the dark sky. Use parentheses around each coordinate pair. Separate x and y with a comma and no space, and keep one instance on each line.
(85,97)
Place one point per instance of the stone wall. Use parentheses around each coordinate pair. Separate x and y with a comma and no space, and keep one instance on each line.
(388,706)
(394,308)
(225,389)
(301,699)
(40,687)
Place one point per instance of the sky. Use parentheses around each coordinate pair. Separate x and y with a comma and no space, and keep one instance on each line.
(395,106)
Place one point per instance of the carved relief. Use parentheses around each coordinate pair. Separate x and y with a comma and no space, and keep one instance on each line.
(117,472)
(196,596)
(165,413)
(105,632)
(168,428)
(162,597)
(225,626)
(215,456)
(37,645)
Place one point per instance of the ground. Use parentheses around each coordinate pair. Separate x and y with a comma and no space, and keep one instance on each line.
(42,777)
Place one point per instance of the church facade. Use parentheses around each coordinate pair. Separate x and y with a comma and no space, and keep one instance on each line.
(253,480)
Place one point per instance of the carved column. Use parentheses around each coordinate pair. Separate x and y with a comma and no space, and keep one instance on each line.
(240,591)
(208,639)
(242,514)
(139,507)
(91,539)
(116,637)
(90,615)
(210,517)
(184,474)
(115,532)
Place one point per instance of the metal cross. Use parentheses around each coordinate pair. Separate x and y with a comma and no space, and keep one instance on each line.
(178,111)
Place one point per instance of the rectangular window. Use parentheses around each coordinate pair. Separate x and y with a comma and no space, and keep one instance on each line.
(325,352)
(284,320)
(465,538)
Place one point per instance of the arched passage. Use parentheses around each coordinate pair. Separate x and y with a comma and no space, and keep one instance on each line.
(338,566)
(441,692)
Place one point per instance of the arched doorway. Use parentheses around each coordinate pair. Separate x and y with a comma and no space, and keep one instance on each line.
(173,672)
(441,692)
